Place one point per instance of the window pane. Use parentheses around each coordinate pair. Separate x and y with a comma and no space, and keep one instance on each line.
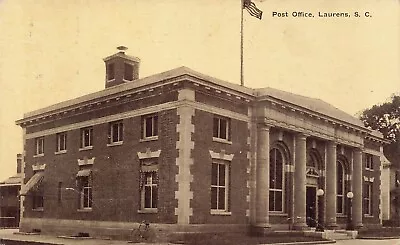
(221,174)
(155,126)
(148,126)
(147,197)
(121,131)
(279,170)
(154,177)
(278,201)
(271,200)
(214,174)
(113,133)
(213,197)
(272,170)
(223,129)
(215,127)
(154,197)
(221,198)
(339,205)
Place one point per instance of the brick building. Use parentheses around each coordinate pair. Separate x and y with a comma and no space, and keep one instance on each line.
(9,199)
(185,150)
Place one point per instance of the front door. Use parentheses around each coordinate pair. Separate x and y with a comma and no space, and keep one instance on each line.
(311,207)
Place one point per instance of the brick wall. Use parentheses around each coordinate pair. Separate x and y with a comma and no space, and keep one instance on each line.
(201,170)
(115,173)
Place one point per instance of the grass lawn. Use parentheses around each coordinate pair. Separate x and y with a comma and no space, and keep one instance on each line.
(237,239)
(380,232)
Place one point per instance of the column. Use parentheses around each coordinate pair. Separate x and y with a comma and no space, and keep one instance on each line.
(300,183)
(330,187)
(357,188)
(262,179)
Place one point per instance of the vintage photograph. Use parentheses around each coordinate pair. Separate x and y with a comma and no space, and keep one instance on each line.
(200,122)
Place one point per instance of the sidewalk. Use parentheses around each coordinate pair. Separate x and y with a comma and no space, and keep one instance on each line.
(8,234)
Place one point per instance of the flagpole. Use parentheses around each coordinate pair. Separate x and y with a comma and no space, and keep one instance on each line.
(241,44)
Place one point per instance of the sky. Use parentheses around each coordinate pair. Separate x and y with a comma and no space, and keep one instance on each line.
(52,50)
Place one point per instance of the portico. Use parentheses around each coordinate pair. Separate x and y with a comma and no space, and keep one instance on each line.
(313,152)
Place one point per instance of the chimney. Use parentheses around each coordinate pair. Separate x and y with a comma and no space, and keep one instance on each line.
(121,68)
(19,163)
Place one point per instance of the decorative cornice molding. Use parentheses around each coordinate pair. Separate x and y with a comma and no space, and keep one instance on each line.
(86,161)
(367,179)
(221,155)
(149,154)
(140,112)
(38,167)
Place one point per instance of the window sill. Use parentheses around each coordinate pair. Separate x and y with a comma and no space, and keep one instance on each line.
(277,213)
(83,210)
(39,155)
(115,143)
(341,216)
(222,141)
(369,169)
(148,211)
(111,80)
(60,152)
(220,212)
(149,138)
(86,148)
(38,209)
(368,216)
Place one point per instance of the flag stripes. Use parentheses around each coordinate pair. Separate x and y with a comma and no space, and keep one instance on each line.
(252,9)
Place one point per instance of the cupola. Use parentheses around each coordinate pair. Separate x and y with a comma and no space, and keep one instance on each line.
(121,68)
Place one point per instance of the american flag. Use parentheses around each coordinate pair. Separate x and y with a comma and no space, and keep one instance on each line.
(252,9)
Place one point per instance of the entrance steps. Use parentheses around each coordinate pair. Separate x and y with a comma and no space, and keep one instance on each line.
(339,234)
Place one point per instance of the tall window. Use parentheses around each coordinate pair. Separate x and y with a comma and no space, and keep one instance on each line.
(340,188)
(110,72)
(149,184)
(275,180)
(369,162)
(85,192)
(115,132)
(39,146)
(128,72)
(61,142)
(149,126)
(221,128)
(37,199)
(219,186)
(367,198)
(86,137)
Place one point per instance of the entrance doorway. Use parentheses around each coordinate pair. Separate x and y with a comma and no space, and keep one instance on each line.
(311,205)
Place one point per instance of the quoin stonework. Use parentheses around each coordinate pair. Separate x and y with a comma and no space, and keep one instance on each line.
(184,150)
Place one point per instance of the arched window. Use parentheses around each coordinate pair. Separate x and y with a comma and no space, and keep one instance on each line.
(340,188)
(275,180)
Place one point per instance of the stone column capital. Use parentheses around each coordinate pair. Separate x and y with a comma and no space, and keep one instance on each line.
(332,144)
(358,150)
(302,136)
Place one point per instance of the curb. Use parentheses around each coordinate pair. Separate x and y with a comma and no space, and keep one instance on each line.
(378,238)
(297,243)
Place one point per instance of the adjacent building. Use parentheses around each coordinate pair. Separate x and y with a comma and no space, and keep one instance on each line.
(184,150)
(9,199)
